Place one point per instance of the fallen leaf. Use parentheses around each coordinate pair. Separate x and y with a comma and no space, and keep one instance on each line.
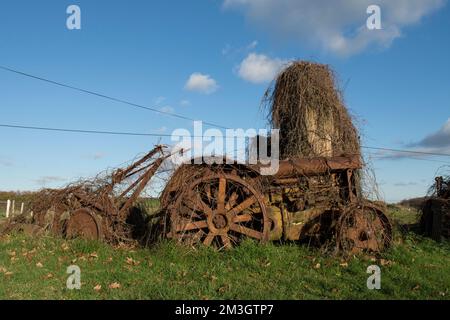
(9,273)
(385,262)
(114,285)
(49,276)
(344,264)
(132,262)
(93,255)
(417,287)
(317,266)
(224,289)
(98,287)
(39,265)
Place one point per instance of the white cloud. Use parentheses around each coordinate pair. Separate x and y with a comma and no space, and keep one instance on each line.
(229,50)
(338,26)
(252,45)
(226,50)
(162,129)
(259,68)
(159,100)
(167,109)
(185,103)
(202,83)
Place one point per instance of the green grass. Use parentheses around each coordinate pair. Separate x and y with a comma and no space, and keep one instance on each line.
(35,268)
(403,215)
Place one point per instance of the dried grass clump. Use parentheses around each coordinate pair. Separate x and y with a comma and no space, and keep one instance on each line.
(305,104)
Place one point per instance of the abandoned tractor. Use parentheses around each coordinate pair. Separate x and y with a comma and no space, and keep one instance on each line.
(100,209)
(312,199)
(435,220)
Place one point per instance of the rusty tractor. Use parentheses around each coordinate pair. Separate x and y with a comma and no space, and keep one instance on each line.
(317,200)
(310,199)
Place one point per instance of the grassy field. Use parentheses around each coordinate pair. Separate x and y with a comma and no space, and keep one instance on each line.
(414,268)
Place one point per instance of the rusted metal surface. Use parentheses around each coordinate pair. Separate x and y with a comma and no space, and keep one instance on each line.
(84,224)
(315,166)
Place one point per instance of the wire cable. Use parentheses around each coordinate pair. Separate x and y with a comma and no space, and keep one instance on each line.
(153,109)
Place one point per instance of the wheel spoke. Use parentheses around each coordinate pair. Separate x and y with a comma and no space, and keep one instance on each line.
(242,218)
(191,225)
(247,231)
(209,238)
(232,201)
(242,206)
(221,194)
(206,209)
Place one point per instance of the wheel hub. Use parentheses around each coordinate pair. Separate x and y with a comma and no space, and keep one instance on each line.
(220,221)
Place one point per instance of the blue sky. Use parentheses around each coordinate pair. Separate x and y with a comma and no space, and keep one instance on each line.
(397,80)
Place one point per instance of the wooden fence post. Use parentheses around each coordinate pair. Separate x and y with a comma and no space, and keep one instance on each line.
(13,207)
(8,206)
(21,208)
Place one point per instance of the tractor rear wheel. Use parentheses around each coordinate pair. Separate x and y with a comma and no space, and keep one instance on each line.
(219,210)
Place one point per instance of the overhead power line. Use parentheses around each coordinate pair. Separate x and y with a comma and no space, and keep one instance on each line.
(408,151)
(12,126)
(90,92)
(84,131)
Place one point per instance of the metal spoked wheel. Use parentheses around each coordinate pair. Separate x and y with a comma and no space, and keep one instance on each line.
(219,210)
(363,228)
